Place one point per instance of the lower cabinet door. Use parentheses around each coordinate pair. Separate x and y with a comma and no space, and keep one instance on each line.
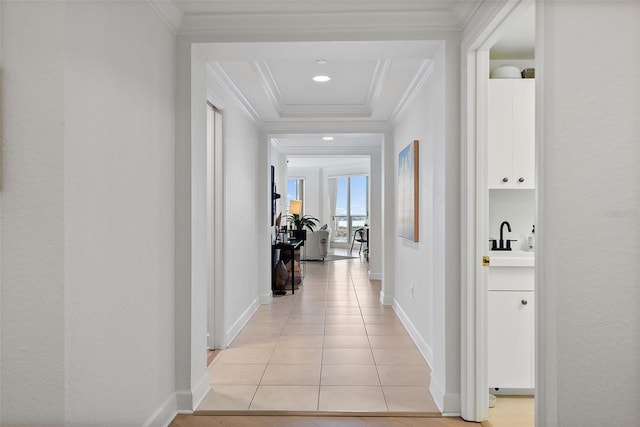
(511,339)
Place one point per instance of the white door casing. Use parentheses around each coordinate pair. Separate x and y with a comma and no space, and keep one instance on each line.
(475,214)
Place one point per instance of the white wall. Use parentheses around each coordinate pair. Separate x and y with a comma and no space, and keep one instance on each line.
(243,173)
(432,264)
(87,214)
(33,245)
(587,260)
(313,195)
(414,261)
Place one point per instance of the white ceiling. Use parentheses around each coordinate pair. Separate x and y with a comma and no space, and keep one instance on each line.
(372,82)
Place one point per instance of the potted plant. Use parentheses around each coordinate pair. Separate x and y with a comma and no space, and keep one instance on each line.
(299,222)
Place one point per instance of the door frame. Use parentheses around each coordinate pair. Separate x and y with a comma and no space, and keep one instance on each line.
(215,230)
(474,390)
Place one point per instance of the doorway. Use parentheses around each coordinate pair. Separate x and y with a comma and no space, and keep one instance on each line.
(337,192)
(489,206)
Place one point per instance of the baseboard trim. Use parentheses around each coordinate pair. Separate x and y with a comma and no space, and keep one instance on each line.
(375,276)
(437,392)
(237,326)
(188,400)
(386,300)
(266,299)
(165,413)
(417,338)
(184,402)
(452,404)
(201,389)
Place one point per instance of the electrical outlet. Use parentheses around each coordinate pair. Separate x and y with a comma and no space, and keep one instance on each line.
(411,289)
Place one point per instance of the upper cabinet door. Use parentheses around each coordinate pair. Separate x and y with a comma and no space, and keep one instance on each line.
(500,131)
(524,128)
(511,131)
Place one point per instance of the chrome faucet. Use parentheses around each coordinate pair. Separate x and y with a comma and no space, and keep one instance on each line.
(500,245)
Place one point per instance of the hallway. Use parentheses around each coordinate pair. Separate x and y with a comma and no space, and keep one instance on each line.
(331,347)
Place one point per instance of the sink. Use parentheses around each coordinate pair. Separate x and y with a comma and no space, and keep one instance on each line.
(512,258)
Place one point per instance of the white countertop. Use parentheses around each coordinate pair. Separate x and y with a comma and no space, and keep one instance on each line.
(512,259)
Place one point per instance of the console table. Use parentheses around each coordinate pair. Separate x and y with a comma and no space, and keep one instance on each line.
(291,246)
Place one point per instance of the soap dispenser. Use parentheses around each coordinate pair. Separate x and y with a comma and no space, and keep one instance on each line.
(531,241)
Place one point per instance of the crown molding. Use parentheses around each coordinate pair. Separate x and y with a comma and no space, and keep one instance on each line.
(275,142)
(326,111)
(324,127)
(317,150)
(269,85)
(377,82)
(170,14)
(419,80)
(216,71)
(231,25)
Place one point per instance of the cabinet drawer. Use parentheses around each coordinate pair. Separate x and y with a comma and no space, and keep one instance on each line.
(511,279)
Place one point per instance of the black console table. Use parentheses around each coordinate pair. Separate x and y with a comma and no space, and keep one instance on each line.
(291,246)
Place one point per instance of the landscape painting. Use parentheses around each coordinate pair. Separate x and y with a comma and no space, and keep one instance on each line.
(407,207)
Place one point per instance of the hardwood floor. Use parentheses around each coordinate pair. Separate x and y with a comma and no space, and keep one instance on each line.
(513,411)
(316,421)
(212,354)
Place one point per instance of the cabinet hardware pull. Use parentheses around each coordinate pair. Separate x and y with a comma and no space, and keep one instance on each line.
(505,179)
(521,179)
(524,302)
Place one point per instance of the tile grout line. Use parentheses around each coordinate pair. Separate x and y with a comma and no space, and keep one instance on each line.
(352,281)
(375,363)
(324,334)
(288,315)
(288,310)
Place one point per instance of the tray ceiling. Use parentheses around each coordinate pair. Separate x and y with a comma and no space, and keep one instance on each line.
(371,81)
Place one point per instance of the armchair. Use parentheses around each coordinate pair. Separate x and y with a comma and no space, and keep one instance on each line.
(316,245)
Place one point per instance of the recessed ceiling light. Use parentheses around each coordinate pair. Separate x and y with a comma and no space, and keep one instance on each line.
(321,61)
(328,138)
(321,79)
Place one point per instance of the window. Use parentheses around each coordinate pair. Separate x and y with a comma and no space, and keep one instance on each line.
(351,206)
(295,191)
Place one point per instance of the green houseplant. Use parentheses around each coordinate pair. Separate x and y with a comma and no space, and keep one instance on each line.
(299,222)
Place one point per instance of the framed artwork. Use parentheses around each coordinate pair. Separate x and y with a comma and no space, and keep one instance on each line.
(408,184)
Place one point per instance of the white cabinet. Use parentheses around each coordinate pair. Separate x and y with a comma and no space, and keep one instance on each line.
(511,133)
(511,307)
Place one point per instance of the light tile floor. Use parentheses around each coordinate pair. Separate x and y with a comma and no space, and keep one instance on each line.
(331,347)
